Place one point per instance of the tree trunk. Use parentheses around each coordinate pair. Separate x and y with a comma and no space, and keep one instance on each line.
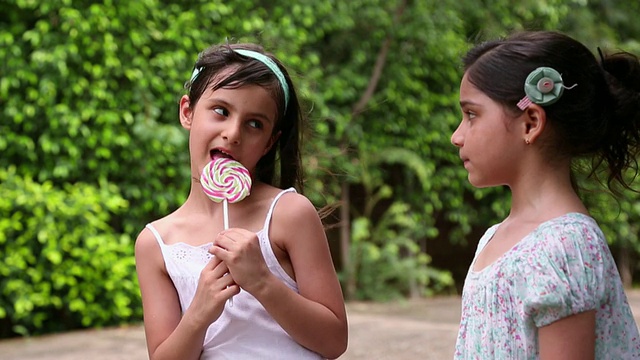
(345,242)
(358,108)
(624,266)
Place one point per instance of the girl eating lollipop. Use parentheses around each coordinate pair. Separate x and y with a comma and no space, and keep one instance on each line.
(273,260)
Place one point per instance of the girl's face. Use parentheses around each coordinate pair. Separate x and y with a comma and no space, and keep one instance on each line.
(236,123)
(487,139)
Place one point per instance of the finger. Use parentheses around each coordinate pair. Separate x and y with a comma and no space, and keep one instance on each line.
(219,252)
(233,240)
(213,262)
(230,291)
(224,240)
(220,270)
(214,244)
(237,234)
(226,244)
(227,280)
(231,236)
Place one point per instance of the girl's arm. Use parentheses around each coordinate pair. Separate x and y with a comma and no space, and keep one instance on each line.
(569,338)
(170,335)
(316,317)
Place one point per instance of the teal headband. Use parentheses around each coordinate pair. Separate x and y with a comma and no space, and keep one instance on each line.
(263,59)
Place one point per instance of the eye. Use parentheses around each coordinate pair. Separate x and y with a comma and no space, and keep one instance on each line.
(470,114)
(255,124)
(221,111)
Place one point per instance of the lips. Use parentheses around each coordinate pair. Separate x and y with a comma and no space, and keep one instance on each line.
(218,153)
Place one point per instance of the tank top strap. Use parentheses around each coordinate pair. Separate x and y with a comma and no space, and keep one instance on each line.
(156,234)
(267,221)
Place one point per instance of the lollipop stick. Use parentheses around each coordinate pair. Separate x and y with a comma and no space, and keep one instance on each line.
(225,212)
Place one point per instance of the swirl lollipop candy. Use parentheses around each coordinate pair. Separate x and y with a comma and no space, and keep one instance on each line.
(227,181)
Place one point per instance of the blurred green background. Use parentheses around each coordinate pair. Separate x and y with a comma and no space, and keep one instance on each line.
(91,147)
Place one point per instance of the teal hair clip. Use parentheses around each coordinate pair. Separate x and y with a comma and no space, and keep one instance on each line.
(543,86)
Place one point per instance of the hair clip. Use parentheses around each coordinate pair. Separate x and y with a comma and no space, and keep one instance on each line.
(543,86)
(194,74)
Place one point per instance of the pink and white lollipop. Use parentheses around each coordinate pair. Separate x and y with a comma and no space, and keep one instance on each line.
(227,181)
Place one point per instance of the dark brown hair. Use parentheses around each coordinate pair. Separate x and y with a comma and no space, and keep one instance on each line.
(598,118)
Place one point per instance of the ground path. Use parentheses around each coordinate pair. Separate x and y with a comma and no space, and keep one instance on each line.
(416,329)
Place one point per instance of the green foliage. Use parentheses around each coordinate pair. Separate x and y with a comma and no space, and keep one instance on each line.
(495,18)
(84,92)
(385,252)
(611,25)
(61,264)
(619,216)
(389,262)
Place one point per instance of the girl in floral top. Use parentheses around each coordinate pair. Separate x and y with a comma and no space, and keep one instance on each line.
(543,283)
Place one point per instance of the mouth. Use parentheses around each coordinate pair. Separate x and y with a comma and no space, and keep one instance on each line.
(220,153)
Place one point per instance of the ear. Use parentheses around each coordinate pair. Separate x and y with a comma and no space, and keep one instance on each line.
(535,120)
(274,138)
(186,113)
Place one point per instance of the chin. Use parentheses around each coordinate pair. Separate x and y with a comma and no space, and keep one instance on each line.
(479,183)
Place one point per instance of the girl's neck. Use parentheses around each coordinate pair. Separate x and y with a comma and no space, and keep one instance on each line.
(198,201)
(540,198)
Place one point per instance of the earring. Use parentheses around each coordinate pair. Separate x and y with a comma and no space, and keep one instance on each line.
(527,141)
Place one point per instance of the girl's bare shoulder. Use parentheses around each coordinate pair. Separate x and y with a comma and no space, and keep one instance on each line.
(295,212)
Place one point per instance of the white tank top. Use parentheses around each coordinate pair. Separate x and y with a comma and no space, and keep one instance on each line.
(244,330)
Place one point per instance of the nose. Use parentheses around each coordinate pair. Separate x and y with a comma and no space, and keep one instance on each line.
(232,133)
(457,138)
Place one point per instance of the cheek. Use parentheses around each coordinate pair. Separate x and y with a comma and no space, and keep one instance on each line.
(266,150)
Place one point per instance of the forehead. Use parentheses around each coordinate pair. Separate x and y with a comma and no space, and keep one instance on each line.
(470,94)
(246,100)
(222,75)
(474,99)
(468,90)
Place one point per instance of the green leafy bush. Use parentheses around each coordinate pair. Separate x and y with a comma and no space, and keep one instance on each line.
(387,261)
(61,265)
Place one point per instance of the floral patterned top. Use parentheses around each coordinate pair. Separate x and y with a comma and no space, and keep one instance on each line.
(562,268)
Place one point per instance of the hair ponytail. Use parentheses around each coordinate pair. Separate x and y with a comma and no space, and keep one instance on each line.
(622,139)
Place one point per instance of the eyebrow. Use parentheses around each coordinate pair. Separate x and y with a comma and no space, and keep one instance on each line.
(464,103)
